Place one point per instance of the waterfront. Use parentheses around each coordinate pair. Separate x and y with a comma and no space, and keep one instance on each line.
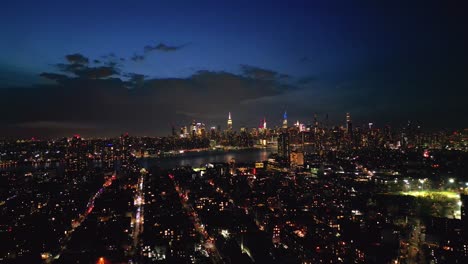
(200,158)
(192,158)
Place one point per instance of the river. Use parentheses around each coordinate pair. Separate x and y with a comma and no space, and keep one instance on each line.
(200,158)
(194,159)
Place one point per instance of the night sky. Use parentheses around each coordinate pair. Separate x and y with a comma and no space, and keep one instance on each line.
(101,68)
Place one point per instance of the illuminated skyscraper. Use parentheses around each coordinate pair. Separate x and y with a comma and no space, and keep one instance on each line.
(184,132)
(348,119)
(229,122)
(193,129)
(349,125)
(200,129)
(315,123)
(262,128)
(285,120)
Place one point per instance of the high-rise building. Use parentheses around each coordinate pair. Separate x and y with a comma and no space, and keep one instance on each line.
(349,125)
(285,120)
(299,127)
(213,132)
(229,122)
(316,124)
(200,129)
(193,129)
(283,146)
(262,128)
(276,239)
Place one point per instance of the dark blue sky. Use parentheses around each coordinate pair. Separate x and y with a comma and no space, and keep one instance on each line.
(221,36)
(379,61)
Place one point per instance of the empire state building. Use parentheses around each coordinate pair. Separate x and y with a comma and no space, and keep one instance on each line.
(229,122)
(285,120)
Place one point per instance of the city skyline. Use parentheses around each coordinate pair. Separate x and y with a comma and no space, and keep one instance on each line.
(106,70)
(242,131)
(233,125)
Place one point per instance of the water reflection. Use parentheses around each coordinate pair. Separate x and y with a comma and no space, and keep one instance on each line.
(187,159)
(198,159)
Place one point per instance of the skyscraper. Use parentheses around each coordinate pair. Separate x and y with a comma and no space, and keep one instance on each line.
(229,122)
(283,146)
(315,123)
(285,120)
(193,129)
(349,125)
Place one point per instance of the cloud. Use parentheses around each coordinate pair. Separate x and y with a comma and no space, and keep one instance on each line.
(206,85)
(112,63)
(135,79)
(97,72)
(77,67)
(137,58)
(54,76)
(262,74)
(83,71)
(77,59)
(164,48)
(69,68)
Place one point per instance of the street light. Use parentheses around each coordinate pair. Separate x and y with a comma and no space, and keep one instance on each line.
(451,180)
